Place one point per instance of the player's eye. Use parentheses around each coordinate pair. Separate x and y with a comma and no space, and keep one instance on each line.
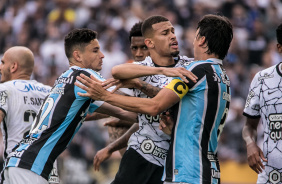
(134,48)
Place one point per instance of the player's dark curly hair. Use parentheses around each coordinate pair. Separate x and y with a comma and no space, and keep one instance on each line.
(218,33)
(135,30)
(78,39)
(147,24)
(279,34)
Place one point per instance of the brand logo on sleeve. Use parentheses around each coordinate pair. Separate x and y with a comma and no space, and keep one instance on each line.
(3,97)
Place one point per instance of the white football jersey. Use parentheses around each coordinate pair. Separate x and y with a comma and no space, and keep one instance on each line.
(149,141)
(265,101)
(20,101)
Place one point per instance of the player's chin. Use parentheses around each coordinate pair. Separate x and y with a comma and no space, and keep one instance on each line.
(174,53)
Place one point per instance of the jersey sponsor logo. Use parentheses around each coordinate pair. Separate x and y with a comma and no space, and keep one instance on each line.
(226,96)
(3,97)
(225,79)
(179,87)
(24,86)
(211,157)
(152,119)
(265,76)
(275,126)
(58,90)
(16,153)
(64,80)
(275,177)
(148,147)
(33,101)
(53,177)
(175,171)
(215,174)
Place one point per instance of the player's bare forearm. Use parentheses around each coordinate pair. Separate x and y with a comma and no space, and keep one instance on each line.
(96,116)
(165,98)
(249,132)
(129,71)
(148,89)
(123,140)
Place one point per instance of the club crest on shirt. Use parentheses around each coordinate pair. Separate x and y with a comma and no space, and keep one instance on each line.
(3,97)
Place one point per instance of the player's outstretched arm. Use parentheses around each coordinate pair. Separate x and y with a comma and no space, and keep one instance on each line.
(129,71)
(120,143)
(164,100)
(254,153)
(111,110)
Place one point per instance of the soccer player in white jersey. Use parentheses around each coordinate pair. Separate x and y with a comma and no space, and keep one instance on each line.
(264,103)
(20,98)
(148,147)
(199,108)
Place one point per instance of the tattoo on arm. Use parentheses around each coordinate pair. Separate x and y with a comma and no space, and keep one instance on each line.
(149,90)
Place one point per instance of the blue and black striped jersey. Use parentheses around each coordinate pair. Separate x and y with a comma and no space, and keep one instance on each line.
(200,117)
(57,121)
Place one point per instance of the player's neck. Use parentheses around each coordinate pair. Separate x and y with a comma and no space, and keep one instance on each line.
(162,60)
(21,77)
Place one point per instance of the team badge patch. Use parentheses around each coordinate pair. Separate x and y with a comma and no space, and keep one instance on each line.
(3,97)
(179,87)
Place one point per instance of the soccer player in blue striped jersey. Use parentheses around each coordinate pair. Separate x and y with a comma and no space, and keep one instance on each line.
(61,114)
(199,108)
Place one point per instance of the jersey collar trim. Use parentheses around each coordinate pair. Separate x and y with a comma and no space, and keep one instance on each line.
(219,61)
(278,68)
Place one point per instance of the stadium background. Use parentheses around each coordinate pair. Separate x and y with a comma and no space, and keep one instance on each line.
(41,26)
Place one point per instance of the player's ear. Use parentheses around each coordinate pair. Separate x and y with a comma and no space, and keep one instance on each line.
(279,47)
(14,67)
(77,56)
(202,40)
(149,43)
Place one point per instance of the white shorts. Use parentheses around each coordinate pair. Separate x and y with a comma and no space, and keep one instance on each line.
(16,175)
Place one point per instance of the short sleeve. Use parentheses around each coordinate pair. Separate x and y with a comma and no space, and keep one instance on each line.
(252,106)
(4,99)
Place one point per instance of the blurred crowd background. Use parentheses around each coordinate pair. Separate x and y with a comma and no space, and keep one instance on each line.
(41,25)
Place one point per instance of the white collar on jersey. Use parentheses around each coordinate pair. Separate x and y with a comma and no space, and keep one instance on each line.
(219,61)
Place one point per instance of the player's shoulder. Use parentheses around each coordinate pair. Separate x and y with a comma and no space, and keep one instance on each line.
(87,72)
(146,62)
(5,86)
(267,73)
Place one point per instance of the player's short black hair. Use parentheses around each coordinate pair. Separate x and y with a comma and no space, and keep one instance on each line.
(147,24)
(135,30)
(78,38)
(218,32)
(279,34)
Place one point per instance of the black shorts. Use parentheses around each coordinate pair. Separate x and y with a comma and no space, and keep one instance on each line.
(134,169)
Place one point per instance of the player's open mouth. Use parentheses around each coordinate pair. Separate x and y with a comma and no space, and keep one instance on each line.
(174,45)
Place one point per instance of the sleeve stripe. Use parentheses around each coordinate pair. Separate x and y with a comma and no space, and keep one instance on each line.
(250,116)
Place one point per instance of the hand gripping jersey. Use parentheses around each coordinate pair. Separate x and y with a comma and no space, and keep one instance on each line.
(149,141)
(59,118)
(20,101)
(200,116)
(265,101)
